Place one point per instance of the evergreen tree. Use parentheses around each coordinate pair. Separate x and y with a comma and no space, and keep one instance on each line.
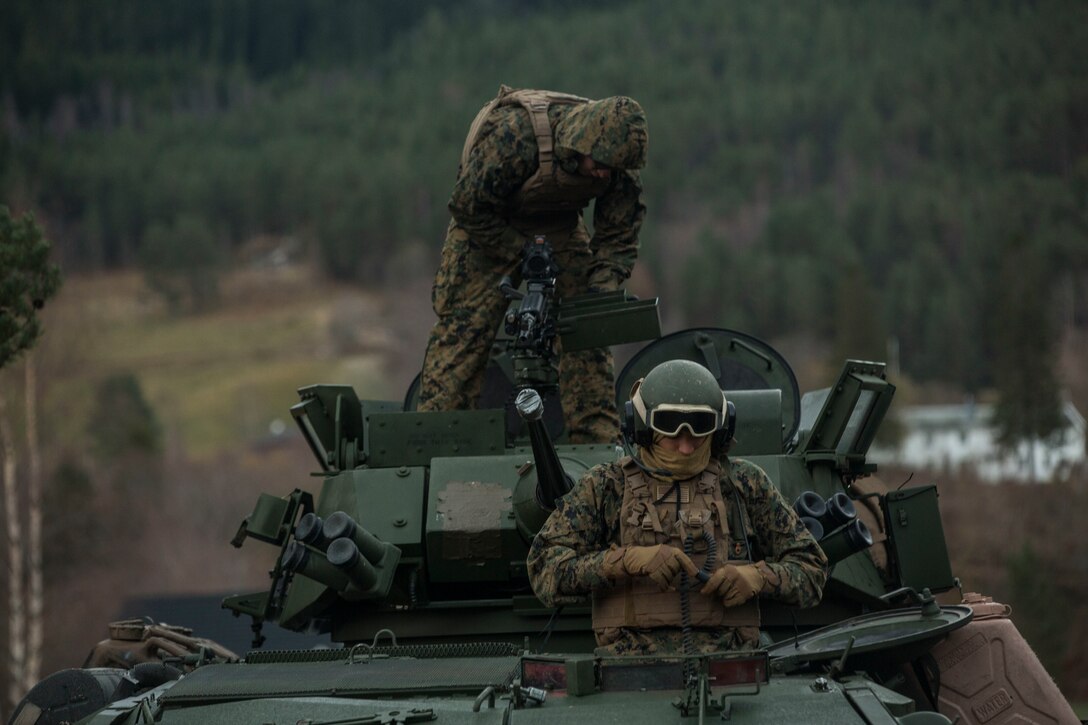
(858,332)
(27,280)
(1026,338)
(123,421)
(125,434)
(182,262)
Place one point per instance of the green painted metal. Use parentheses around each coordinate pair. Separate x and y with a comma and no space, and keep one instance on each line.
(761,413)
(602,320)
(879,638)
(454,495)
(331,422)
(576,460)
(839,423)
(472,527)
(914,526)
(269,520)
(389,501)
(414,439)
(465,500)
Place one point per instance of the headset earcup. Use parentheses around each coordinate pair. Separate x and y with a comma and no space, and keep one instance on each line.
(722,437)
(632,431)
(627,426)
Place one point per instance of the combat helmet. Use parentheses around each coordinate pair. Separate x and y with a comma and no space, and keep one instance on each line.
(611,131)
(677,395)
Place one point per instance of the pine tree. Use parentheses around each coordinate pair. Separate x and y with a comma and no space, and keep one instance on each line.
(27,280)
(1026,338)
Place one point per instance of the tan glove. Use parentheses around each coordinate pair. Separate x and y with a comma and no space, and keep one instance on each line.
(735,584)
(662,563)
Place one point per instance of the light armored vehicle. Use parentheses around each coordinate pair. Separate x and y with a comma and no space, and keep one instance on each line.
(411,554)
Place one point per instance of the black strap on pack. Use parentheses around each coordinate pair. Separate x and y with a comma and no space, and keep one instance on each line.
(928,673)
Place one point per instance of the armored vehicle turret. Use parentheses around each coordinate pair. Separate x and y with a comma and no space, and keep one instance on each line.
(410,554)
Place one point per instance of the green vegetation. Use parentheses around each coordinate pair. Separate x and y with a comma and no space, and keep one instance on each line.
(132,425)
(183,261)
(27,280)
(819,150)
(813,149)
(212,382)
(1026,341)
(125,434)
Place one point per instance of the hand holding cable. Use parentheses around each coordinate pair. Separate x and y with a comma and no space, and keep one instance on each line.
(735,584)
(661,563)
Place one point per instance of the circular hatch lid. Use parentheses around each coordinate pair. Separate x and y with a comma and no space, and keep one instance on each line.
(896,636)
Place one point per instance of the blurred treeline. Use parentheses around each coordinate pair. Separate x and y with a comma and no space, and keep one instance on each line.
(858,171)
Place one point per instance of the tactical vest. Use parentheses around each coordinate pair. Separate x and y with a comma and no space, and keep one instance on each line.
(649,515)
(549,201)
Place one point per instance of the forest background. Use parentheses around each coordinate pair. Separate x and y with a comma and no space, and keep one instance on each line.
(246,196)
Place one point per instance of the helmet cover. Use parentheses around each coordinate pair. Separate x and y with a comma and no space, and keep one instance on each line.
(611,131)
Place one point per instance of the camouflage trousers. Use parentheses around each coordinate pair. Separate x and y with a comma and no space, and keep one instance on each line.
(470,307)
(670,640)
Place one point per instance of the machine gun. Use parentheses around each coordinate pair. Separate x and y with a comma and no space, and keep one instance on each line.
(531,325)
(538,320)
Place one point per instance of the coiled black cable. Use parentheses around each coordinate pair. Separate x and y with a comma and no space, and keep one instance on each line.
(711,552)
(685,596)
(685,613)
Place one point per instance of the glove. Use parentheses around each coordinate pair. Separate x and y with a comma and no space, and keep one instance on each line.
(735,584)
(662,563)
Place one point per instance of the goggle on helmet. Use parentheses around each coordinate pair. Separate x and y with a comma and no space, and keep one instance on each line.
(669,419)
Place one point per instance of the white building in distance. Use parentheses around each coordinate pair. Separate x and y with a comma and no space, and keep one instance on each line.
(952,437)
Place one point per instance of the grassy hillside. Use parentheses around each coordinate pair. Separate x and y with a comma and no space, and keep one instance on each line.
(218,379)
(129,521)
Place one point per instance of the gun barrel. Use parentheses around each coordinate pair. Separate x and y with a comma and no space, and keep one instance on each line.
(814,527)
(299,559)
(810,504)
(341,526)
(840,510)
(345,556)
(552,481)
(309,532)
(848,539)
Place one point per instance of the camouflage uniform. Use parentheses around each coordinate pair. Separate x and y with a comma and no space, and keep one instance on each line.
(485,239)
(566,556)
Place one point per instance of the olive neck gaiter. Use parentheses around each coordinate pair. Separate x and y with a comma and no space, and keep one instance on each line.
(682,467)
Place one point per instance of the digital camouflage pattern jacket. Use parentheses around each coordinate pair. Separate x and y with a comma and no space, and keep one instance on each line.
(505,155)
(565,558)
